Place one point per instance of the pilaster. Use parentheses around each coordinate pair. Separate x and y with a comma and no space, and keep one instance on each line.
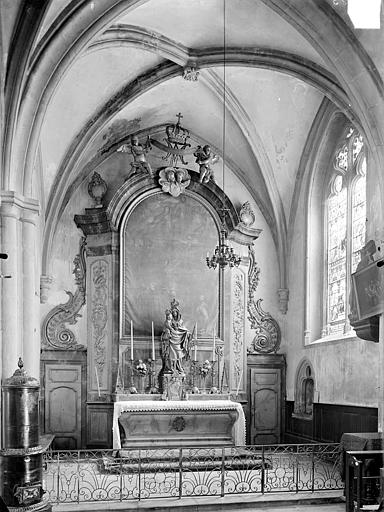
(31,331)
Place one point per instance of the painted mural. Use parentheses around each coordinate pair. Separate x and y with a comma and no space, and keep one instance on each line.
(165,243)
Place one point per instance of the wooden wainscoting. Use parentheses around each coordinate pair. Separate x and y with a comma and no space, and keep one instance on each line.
(329,422)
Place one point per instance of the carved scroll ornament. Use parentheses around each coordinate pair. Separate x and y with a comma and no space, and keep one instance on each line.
(238,324)
(99,315)
(268,336)
(55,333)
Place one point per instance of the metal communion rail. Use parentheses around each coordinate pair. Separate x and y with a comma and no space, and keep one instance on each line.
(109,475)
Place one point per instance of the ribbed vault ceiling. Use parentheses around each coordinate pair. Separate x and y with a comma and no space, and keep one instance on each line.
(268,112)
(99,70)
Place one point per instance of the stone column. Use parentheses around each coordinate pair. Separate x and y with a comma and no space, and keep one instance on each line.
(11,348)
(31,331)
(20,314)
(381,375)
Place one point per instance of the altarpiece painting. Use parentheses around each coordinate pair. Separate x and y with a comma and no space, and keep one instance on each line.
(164,242)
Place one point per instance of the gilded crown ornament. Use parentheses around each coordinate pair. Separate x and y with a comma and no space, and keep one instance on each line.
(176,143)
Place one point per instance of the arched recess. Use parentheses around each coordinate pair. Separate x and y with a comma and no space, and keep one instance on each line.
(304,390)
(142,192)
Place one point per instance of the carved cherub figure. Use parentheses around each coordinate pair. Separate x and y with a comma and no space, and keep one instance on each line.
(205,159)
(174,180)
(138,152)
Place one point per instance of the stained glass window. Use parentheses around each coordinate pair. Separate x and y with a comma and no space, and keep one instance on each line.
(345,213)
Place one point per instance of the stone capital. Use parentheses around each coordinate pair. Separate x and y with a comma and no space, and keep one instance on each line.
(45,285)
(283,297)
(17,206)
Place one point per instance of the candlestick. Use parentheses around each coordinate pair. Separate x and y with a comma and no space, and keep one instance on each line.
(97,381)
(153,344)
(131,340)
(214,345)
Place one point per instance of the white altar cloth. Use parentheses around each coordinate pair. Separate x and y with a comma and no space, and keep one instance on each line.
(177,405)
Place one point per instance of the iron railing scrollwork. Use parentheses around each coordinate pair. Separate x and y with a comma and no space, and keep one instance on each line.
(138,474)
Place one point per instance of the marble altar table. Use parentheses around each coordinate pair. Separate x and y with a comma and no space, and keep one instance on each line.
(178,423)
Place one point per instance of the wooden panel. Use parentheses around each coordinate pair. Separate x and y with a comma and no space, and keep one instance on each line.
(266,389)
(268,378)
(99,425)
(265,405)
(330,421)
(62,409)
(266,409)
(63,404)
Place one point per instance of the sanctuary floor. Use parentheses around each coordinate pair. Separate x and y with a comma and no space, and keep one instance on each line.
(330,507)
(331,501)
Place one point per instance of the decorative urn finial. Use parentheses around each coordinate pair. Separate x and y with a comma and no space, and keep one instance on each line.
(97,189)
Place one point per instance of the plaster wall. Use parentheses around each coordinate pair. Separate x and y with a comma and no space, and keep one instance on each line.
(65,247)
(345,370)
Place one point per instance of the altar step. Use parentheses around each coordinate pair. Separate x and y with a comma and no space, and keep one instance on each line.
(324,501)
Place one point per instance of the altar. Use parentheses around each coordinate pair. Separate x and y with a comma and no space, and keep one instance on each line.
(178,423)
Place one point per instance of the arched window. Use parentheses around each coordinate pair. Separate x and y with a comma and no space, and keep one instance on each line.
(345,207)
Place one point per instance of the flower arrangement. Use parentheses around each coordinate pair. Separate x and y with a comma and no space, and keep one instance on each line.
(141,367)
(205,368)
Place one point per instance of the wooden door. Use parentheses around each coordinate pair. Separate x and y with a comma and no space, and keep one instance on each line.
(63,404)
(265,391)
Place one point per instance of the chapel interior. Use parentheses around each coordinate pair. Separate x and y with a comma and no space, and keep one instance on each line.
(191,209)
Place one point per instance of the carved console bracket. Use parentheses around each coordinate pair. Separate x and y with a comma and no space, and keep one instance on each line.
(55,334)
(268,335)
(94,222)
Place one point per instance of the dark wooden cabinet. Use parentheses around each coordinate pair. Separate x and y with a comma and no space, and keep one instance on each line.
(266,385)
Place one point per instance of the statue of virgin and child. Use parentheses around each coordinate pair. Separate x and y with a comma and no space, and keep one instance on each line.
(176,341)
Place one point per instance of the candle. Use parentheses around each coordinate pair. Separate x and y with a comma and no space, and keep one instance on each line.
(153,344)
(97,381)
(238,385)
(214,345)
(122,378)
(195,356)
(131,340)
(196,331)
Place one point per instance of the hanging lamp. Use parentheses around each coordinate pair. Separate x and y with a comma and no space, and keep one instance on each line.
(223,255)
